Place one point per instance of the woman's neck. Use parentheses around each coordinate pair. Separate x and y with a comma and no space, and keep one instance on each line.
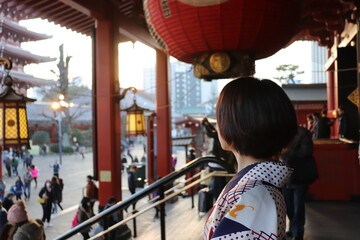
(244,160)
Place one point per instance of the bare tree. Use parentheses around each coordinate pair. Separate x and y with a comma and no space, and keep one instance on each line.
(70,89)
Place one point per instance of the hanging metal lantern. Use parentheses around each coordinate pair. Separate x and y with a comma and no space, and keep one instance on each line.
(222,38)
(14,130)
(135,120)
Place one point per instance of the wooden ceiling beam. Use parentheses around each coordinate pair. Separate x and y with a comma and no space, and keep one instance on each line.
(57,12)
(92,8)
(134,31)
(77,21)
(74,16)
(38,8)
(23,5)
(87,28)
(85,23)
(46,7)
(7,1)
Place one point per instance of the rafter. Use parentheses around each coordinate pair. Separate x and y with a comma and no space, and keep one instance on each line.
(134,31)
(46,6)
(90,8)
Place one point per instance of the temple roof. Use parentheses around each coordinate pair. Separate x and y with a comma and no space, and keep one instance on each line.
(21,53)
(305,92)
(22,33)
(29,79)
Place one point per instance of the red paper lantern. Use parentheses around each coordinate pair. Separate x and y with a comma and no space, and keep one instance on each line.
(237,31)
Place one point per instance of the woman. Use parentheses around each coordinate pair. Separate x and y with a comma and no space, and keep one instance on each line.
(35,173)
(57,189)
(84,213)
(19,226)
(310,123)
(18,188)
(47,193)
(255,122)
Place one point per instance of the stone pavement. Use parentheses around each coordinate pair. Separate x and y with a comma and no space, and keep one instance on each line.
(73,172)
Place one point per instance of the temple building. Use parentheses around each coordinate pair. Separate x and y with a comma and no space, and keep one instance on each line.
(12,35)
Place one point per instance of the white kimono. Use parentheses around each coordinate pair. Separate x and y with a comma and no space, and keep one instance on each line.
(251,206)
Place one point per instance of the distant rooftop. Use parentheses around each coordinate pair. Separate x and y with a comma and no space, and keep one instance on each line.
(305,92)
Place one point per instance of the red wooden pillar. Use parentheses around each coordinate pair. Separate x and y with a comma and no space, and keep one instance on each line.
(107,112)
(163,118)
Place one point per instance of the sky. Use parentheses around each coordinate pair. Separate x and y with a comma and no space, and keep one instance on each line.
(134,57)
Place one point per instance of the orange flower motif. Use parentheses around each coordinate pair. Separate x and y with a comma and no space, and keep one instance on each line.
(237,208)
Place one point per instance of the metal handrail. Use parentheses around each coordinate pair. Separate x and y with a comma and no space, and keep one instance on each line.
(174,194)
(145,192)
(170,190)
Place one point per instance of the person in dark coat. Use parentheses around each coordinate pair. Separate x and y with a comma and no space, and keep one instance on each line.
(84,213)
(19,186)
(3,216)
(122,232)
(323,126)
(55,184)
(131,179)
(298,156)
(132,182)
(47,192)
(8,201)
(91,190)
(217,183)
(343,122)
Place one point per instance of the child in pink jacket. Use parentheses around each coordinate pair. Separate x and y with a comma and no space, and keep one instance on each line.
(35,173)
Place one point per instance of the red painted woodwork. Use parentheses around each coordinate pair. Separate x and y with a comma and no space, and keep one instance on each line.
(163,118)
(107,113)
(339,172)
(185,28)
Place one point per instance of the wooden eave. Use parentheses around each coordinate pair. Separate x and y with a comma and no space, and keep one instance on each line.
(21,53)
(29,80)
(22,31)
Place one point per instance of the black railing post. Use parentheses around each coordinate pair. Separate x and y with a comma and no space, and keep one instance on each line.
(105,223)
(192,191)
(162,213)
(134,220)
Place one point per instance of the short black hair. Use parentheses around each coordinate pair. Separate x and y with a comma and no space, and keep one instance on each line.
(111,200)
(256,118)
(90,177)
(342,108)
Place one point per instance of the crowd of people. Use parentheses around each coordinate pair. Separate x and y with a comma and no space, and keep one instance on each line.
(319,125)
(13,199)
